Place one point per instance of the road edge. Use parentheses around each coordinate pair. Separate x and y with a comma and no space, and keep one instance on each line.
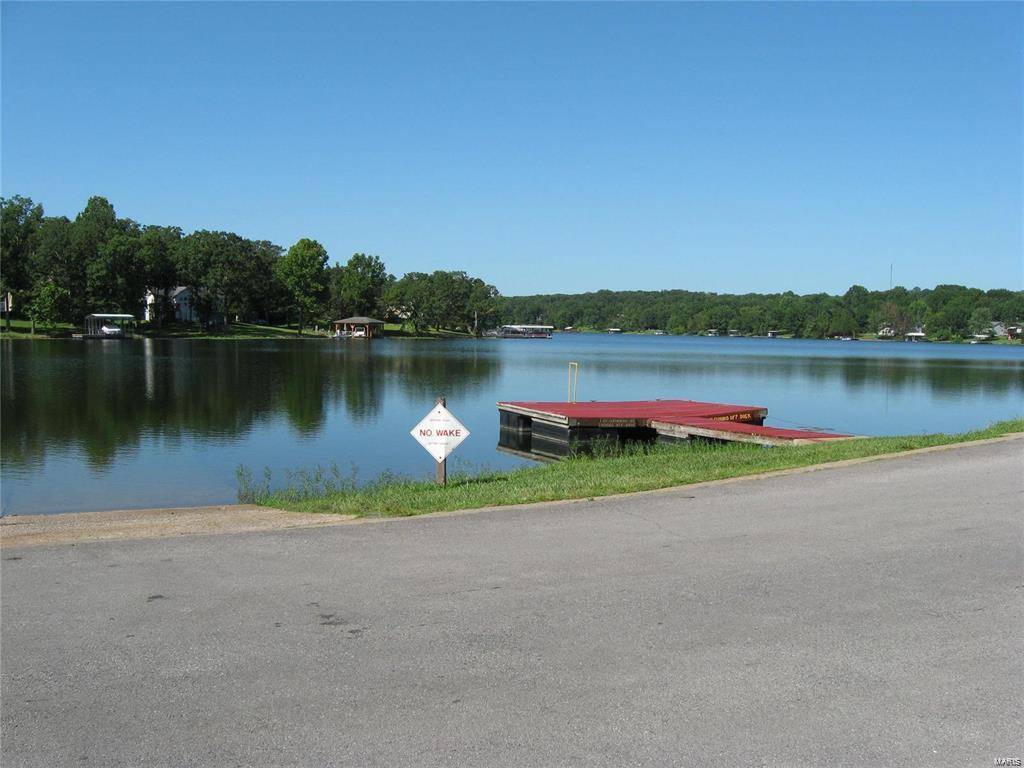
(75,529)
(1009,437)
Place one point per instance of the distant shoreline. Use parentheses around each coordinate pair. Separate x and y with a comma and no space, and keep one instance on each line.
(252,332)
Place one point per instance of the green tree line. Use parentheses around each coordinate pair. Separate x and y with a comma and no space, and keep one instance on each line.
(945,312)
(58,270)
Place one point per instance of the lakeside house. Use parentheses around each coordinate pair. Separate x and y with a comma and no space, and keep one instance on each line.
(774,334)
(1010,331)
(182,305)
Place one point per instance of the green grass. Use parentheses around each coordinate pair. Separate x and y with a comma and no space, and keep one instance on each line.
(239,331)
(582,477)
(253,331)
(21,329)
(406,332)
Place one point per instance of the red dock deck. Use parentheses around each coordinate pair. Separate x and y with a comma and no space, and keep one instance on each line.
(679,419)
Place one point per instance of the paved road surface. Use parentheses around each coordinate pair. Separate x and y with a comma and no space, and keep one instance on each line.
(870,615)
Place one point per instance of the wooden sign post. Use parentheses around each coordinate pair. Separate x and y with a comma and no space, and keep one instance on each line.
(442,466)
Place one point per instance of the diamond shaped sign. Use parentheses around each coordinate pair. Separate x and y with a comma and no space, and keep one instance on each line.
(440,432)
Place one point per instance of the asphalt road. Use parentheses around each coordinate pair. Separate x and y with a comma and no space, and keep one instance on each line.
(869,615)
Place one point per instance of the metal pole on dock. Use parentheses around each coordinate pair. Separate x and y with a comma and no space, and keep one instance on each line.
(442,466)
(574,380)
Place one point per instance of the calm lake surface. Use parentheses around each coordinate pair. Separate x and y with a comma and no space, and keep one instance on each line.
(121,424)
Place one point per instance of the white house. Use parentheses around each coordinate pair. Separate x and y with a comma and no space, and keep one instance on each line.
(182,305)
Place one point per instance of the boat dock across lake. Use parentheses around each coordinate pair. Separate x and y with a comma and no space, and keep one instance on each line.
(552,429)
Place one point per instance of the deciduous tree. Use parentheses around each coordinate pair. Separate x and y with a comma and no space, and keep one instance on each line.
(358,287)
(116,274)
(302,271)
(20,219)
(46,303)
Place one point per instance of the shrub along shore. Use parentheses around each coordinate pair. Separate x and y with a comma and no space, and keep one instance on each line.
(581,477)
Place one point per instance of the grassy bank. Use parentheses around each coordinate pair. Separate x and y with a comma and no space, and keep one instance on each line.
(582,477)
(21,329)
(254,331)
(406,332)
(238,331)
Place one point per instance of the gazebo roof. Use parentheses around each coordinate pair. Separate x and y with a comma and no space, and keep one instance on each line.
(361,321)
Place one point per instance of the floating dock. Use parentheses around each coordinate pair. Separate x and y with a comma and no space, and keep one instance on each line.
(553,430)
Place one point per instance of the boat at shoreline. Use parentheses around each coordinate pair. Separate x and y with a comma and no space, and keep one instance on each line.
(525,331)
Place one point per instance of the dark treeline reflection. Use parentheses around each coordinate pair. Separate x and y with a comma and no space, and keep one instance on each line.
(940,377)
(101,397)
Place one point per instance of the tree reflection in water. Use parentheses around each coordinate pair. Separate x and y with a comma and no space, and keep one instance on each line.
(102,399)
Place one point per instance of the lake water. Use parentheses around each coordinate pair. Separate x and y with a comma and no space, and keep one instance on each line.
(122,424)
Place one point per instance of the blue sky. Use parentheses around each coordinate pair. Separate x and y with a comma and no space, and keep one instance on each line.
(547,148)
